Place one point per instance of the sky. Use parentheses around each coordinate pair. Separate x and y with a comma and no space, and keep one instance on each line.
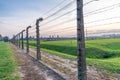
(16,15)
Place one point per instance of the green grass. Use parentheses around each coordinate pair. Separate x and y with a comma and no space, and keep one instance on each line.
(101,53)
(7,63)
(111,65)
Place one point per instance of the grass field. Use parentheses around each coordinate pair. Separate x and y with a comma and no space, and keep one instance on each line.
(102,53)
(7,63)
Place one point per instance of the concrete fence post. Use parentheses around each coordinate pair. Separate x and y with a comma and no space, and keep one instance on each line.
(38,38)
(19,40)
(81,42)
(22,39)
(27,39)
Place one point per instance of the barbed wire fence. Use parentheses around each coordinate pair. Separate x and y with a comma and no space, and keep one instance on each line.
(60,23)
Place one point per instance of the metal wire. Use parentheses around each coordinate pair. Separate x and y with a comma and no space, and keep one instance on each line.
(58,17)
(104,9)
(102,24)
(61,9)
(59,24)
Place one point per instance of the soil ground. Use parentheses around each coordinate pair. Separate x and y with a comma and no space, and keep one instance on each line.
(31,69)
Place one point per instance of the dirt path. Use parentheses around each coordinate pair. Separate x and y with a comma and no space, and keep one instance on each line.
(31,69)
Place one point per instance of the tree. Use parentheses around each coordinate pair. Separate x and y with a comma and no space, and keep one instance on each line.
(0,37)
(6,39)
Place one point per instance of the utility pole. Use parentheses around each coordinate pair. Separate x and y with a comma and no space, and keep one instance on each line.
(22,39)
(81,42)
(38,38)
(27,39)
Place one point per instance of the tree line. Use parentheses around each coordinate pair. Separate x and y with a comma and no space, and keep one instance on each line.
(4,38)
